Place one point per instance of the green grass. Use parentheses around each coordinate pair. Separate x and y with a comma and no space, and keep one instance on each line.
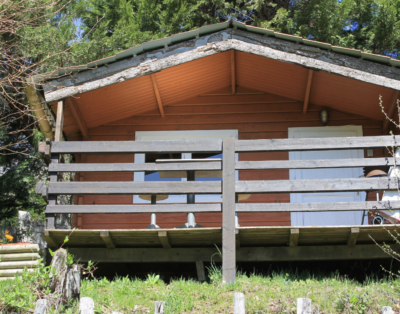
(274,294)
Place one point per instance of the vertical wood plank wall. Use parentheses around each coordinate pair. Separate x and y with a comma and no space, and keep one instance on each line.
(118,131)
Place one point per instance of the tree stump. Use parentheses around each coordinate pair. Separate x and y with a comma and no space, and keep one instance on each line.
(65,280)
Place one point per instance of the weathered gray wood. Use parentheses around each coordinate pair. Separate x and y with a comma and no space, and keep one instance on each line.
(72,286)
(238,303)
(320,185)
(105,235)
(303,144)
(168,146)
(129,187)
(123,209)
(51,241)
(59,121)
(316,207)
(243,254)
(111,167)
(19,257)
(294,237)
(163,236)
(386,310)
(201,272)
(315,164)
(159,307)
(86,305)
(57,276)
(228,212)
(304,306)
(354,233)
(41,306)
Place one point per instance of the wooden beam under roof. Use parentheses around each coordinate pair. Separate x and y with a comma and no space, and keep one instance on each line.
(76,112)
(391,109)
(308,90)
(233,72)
(59,121)
(157,92)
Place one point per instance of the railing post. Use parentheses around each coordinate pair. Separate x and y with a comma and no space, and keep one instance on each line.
(228,211)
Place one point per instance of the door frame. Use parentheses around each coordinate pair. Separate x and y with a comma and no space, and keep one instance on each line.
(296,217)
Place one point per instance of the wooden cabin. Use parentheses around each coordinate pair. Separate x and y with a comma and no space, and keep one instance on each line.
(279,98)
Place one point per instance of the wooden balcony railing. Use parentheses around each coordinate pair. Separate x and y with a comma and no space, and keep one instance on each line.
(228,187)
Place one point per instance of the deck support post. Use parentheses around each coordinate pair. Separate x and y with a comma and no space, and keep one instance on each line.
(201,272)
(228,212)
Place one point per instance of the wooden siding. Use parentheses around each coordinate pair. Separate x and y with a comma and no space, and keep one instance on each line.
(256,123)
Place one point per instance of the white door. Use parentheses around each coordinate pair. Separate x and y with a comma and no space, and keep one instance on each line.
(326,218)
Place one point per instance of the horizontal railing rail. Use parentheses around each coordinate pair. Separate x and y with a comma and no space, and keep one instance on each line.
(54,188)
(304,144)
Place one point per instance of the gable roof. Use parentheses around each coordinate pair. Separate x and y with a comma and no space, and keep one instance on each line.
(208,29)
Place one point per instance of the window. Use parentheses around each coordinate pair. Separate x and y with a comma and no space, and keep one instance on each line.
(177,135)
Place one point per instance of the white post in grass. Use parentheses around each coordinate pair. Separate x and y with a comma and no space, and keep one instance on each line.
(86,306)
(159,307)
(238,303)
(303,306)
(41,306)
(386,310)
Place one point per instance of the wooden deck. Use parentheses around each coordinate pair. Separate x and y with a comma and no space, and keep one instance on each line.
(253,243)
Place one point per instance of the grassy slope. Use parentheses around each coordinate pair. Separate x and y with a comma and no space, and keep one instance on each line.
(275,294)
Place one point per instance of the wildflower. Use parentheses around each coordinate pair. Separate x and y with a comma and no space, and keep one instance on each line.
(9,237)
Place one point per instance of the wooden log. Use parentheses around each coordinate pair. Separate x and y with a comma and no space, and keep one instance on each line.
(303,144)
(316,207)
(315,164)
(41,306)
(19,248)
(386,310)
(11,272)
(294,237)
(201,272)
(121,188)
(238,303)
(159,307)
(320,185)
(86,305)
(6,278)
(163,236)
(304,306)
(243,254)
(228,213)
(124,209)
(129,147)
(131,167)
(19,257)
(19,264)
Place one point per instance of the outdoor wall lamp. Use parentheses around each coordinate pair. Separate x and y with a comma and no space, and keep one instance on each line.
(323,115)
